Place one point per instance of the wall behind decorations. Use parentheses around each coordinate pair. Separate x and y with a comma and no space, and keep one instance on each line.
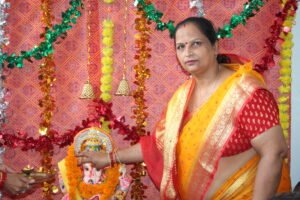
(24,26)
(295,127)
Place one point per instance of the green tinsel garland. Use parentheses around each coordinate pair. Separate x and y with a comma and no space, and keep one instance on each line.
(155,15)
(249,8)
(70,16)
(45,48)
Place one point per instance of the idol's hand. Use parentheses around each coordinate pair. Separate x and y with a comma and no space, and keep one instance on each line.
(17,183)
(99,159)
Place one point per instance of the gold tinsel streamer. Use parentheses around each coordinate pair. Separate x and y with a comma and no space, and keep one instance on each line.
(285,74)
(47,103)
(141,74)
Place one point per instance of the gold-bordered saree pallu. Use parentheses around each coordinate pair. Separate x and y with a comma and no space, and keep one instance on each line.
(193,151)
(241,184)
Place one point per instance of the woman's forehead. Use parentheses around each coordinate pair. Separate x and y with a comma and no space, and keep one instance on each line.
(188,31)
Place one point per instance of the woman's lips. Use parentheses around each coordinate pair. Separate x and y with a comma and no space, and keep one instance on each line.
(190,62)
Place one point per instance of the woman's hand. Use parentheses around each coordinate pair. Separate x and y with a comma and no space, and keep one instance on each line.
(17,184)
(99,159)
(6,168)
(272,148)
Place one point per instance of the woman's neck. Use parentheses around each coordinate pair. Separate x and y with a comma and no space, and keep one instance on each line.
(208,78)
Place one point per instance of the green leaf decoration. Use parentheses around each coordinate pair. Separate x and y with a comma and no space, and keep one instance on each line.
(225,32)
(248,12)
(46,47)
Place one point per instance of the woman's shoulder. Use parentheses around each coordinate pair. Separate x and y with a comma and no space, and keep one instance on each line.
(226,72)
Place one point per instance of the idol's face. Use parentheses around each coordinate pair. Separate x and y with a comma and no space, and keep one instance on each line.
(91,175)
(194,50)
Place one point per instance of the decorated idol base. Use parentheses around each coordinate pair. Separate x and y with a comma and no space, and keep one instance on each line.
(87,182)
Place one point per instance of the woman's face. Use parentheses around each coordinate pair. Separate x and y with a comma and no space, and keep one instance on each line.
(194,51)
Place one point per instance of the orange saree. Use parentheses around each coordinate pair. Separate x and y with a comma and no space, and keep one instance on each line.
(187,155)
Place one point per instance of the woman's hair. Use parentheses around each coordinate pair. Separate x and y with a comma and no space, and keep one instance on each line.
(204,25)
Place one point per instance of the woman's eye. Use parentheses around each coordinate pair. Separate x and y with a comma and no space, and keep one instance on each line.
(179,47)
(196,43)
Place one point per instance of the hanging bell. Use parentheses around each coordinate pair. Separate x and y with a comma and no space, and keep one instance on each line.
(123,89)
(87,92)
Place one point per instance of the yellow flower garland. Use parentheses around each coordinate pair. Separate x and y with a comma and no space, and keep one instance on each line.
(285,75)
(86,191)
(109,1)
(107,60)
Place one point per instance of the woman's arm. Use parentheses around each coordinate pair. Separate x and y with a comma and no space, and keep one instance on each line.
(100,160)
(272,149)
(132,154)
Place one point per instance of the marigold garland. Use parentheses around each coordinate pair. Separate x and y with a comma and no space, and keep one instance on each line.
(285,72)
(109,1)
(107,60)
(74,175)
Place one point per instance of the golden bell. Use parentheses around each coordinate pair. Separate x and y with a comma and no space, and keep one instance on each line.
(87,92)
(123,89)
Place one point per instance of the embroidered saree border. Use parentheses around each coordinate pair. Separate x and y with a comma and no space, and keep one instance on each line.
(217,134)
(240,184)
(174,115)
(221,126)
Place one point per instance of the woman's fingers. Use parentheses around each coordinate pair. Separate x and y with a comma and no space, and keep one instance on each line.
(26,188)
(83,159)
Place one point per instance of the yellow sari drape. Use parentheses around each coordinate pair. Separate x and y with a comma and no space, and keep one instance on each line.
(241,184)
(203,137)
(191,151)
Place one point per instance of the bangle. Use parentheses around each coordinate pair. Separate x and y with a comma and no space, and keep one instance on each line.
(3,176)
(109,159)
(112,158)
(117,157)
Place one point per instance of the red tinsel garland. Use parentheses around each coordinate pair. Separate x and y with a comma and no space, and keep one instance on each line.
(275,30)
(103,109)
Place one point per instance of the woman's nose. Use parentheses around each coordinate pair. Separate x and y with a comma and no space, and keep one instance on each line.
(188,51)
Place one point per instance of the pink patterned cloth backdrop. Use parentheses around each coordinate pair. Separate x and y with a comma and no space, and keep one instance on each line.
(24,27)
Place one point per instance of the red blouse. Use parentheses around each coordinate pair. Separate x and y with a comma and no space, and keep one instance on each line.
(259,114)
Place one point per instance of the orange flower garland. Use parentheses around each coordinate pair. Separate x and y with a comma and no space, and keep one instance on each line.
(74,175)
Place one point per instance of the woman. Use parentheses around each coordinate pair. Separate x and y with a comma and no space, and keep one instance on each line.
(219,137)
